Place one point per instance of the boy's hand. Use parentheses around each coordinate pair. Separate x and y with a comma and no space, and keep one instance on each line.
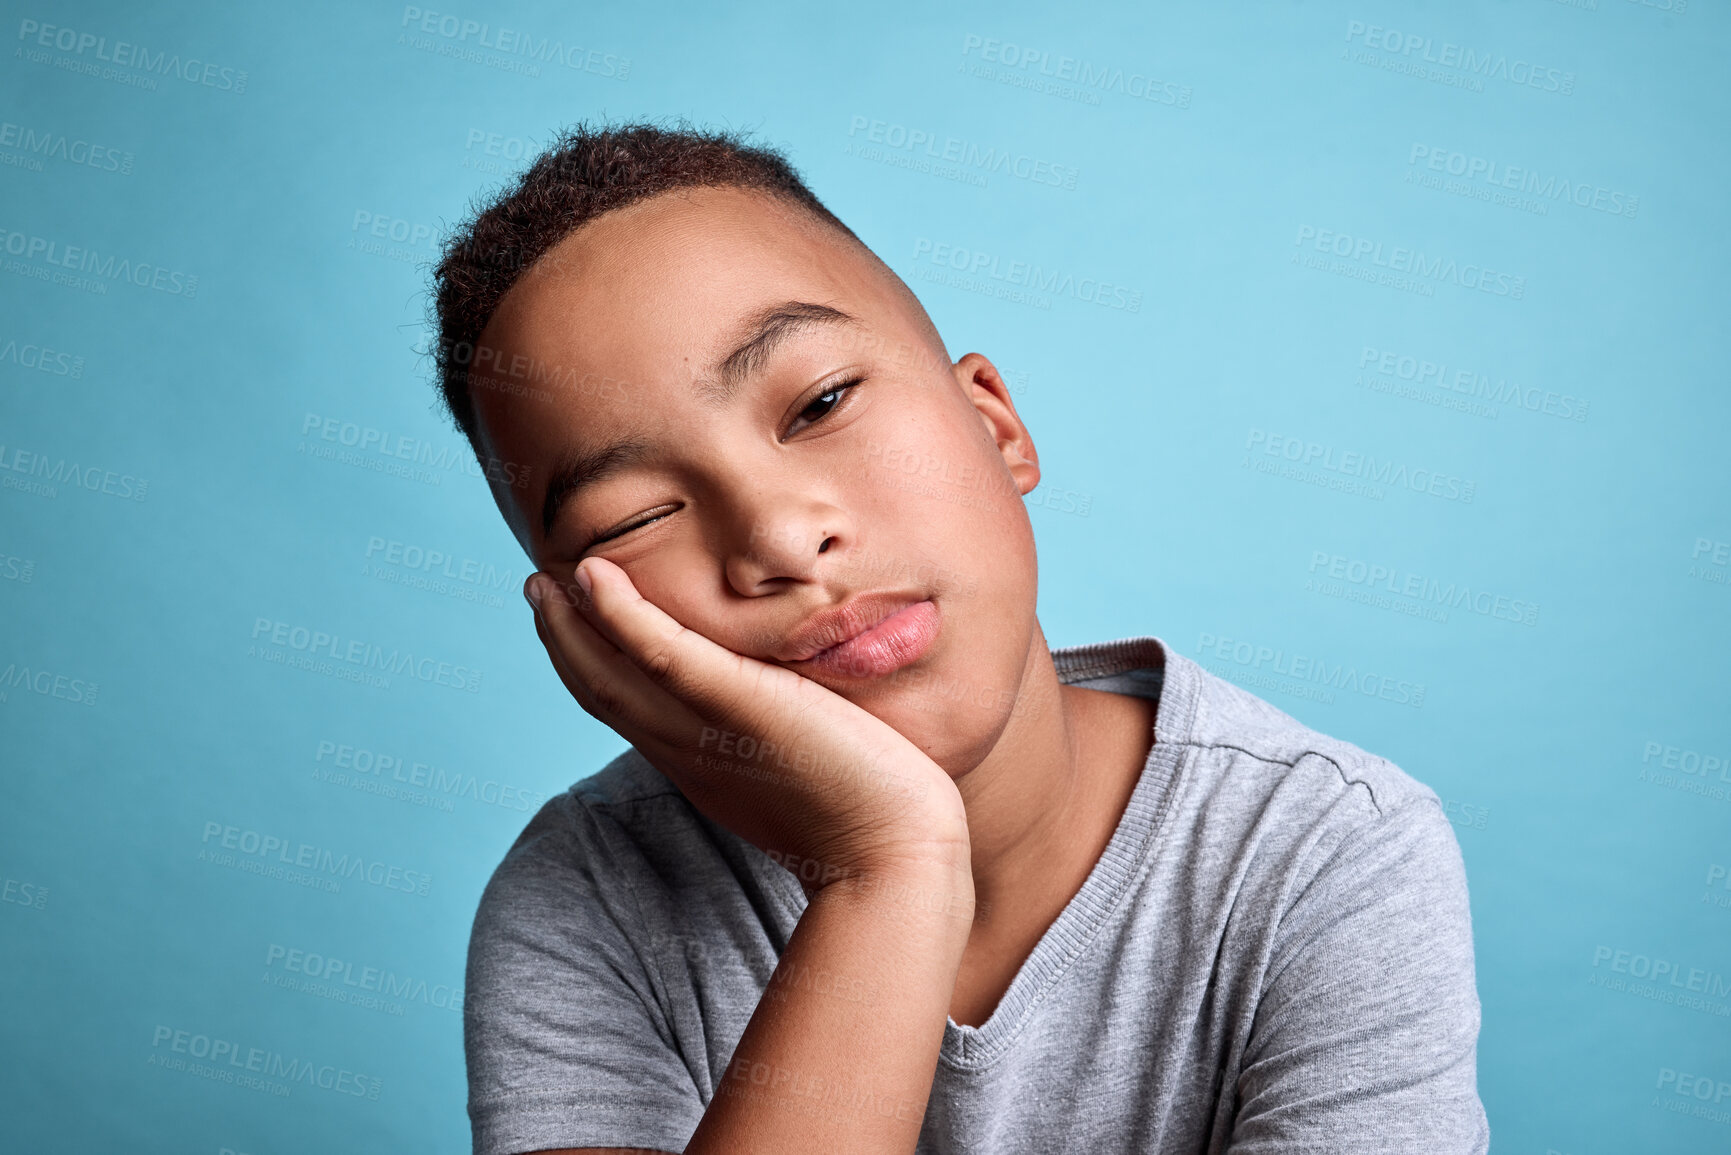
(778,759)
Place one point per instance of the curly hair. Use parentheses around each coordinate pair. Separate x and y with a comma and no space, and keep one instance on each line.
(582,174)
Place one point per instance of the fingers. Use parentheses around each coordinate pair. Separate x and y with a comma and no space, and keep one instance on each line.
(683,662)
(554,649)
(605,682)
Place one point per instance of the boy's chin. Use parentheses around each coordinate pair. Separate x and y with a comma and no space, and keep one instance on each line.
(955,735)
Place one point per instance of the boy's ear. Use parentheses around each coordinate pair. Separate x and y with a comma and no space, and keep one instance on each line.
(984,386)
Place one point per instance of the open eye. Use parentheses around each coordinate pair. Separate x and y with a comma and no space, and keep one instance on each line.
(823,404)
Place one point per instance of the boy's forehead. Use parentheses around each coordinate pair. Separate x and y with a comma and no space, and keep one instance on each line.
(655,291)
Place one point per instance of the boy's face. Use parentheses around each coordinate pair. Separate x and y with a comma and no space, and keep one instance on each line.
(841,454)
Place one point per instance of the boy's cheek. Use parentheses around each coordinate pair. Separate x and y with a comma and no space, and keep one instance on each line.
(670,588)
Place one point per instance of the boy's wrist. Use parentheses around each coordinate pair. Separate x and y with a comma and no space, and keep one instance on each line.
(933,895)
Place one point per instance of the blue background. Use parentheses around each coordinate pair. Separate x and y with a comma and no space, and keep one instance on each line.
(176,484)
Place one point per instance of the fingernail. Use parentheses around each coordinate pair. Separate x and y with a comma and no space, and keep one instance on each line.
(582,580)
(532,591)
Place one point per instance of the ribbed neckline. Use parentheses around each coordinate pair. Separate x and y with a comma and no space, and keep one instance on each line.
(975,1048)
(967,1048)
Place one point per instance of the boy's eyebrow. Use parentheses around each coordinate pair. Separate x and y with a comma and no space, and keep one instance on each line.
(768,328)
(575,470)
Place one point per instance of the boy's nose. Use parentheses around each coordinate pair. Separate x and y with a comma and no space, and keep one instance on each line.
(792,545)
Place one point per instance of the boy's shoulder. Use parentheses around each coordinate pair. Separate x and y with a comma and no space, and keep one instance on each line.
(623,842)
(625,792)
(1230,731)
(1229,717)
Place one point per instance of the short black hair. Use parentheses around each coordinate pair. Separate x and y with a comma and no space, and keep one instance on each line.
(585,172)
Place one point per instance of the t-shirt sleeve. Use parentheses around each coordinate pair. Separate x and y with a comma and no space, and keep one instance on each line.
(564,1039)
(1366,1035)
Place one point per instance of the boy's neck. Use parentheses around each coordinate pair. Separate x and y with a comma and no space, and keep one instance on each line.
(1045,802)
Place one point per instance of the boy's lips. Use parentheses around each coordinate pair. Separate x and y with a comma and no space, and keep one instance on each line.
(869,636)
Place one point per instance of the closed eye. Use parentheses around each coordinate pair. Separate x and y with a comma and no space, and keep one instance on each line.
(627,528)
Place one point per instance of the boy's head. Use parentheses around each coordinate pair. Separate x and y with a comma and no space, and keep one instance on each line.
(670,354)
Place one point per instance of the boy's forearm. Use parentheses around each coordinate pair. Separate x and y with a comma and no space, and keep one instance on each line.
(839,1055)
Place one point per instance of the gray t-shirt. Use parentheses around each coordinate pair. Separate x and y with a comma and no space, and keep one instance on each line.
(1273,954)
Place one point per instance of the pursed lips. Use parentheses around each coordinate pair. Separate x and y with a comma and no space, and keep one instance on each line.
(829,628)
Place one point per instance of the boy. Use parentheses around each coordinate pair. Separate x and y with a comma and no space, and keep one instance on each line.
(881,872)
